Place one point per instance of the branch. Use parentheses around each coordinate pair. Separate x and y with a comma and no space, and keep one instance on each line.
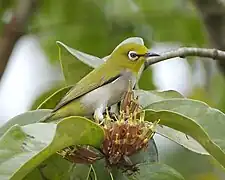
(14,30)
(184,52)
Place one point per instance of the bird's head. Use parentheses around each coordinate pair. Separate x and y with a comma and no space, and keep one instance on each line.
(131,56)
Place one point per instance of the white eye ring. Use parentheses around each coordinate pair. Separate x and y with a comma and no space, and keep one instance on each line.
(132,55)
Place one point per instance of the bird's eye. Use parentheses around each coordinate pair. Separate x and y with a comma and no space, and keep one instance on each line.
(132,55)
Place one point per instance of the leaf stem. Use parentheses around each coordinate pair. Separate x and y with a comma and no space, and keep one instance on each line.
(111,176)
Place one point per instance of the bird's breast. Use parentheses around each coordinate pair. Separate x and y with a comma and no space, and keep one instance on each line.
(108,94)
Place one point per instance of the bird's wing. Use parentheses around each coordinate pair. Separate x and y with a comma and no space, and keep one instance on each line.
(93,80)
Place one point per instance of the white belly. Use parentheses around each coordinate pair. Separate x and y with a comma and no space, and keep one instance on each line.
(108,94)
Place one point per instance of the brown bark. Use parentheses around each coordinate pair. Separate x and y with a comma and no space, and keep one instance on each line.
(213,16)
(14,30)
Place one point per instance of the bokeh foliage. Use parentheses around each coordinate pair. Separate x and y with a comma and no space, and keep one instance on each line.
(97,26)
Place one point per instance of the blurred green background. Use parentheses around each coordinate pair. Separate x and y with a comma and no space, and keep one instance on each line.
(97,27)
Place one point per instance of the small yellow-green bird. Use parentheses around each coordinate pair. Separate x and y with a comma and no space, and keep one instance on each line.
(104,86)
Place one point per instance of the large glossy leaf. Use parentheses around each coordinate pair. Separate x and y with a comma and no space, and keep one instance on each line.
(148,97)
(25,147)
(24,119)
(153,171)
(209,134)
(147,155)
(56,167)
(212,120)
(72,68)
(54,99)
(100,168)
(45,95)
(87,59)
(181,139)
(145,80)
(156,171)
(80,171)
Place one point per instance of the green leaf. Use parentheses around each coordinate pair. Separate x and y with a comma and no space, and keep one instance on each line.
(100,168)
(146,171)
(181,139)
(193,118)
(54,99)
(25,147)
(56,167)
(150,154)
(73,69)
(87,59)
(39,100)
(80,171)
(145,81)
(156,171)
(210,119)
(148,97)
(24,119)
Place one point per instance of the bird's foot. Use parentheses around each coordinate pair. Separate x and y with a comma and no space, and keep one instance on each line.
(98,116)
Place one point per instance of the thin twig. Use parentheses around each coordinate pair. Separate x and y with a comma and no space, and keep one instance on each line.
(184,52)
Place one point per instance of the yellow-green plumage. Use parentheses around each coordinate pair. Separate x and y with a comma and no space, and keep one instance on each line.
(104,85)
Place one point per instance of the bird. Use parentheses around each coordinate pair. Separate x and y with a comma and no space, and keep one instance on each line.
(104,85)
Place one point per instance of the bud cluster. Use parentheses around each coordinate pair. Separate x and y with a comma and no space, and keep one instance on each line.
(128,134)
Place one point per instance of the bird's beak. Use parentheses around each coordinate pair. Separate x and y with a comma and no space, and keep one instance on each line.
(150,54)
